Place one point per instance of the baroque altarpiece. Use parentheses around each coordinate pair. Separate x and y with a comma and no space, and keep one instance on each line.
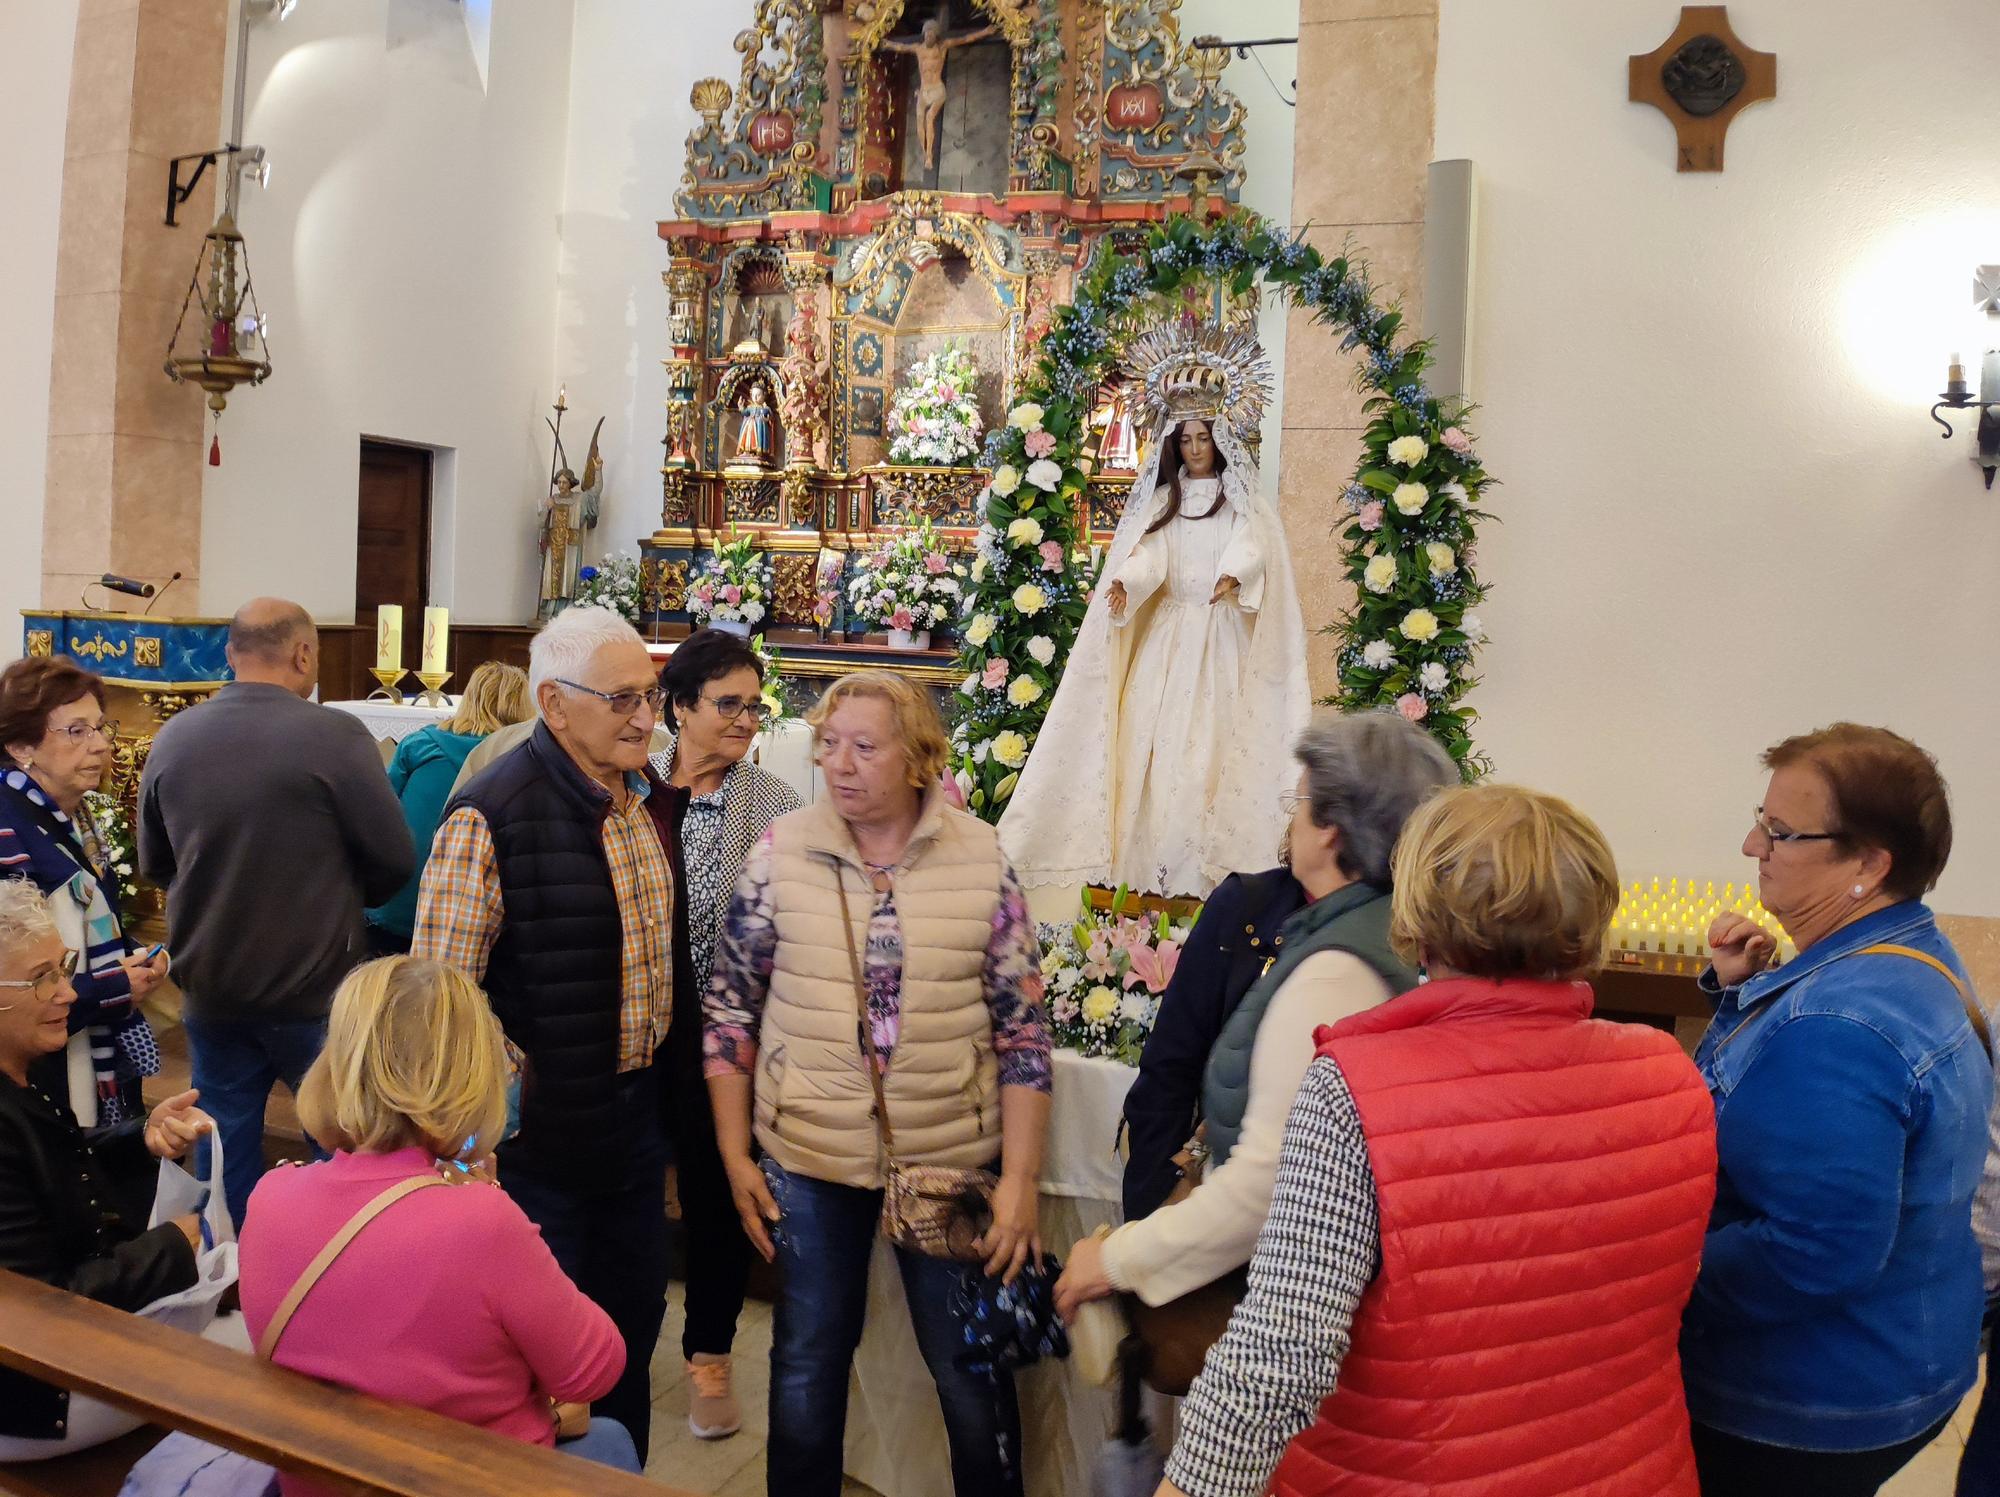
(887,178)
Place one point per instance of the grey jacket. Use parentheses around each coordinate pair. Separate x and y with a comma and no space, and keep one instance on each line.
(270,823)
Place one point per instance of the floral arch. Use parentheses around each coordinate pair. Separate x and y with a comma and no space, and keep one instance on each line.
(1407,520)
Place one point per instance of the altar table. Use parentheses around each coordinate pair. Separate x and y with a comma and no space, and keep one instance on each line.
(392,722)
(895,1434)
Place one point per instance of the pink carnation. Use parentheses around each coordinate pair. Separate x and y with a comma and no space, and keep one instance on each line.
(935,563)
(996,675)
(1040,443)
(1371,515)
(1412,706)
(900,619)
(1456,440)
(732,595)
(1052,555)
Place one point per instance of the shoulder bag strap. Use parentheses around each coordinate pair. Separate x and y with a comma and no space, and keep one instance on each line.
(267,1343)
(861,1026)
(1973,1014)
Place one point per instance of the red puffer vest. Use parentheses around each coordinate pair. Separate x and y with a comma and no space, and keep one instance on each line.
(1544,1183)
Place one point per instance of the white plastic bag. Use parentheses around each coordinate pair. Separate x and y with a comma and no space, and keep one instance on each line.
(178,1194)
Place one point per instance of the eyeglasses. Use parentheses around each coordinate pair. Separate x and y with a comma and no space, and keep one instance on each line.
(1290,802)
(79,733)
(48,984)
(1763,824)
(624,703)
(731,708)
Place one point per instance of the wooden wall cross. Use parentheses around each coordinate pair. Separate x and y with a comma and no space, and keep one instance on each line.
(1701,78)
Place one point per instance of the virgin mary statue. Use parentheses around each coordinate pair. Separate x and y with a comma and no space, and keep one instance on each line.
(1166,753)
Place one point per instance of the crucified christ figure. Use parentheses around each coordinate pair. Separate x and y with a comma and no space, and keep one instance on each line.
(930,54)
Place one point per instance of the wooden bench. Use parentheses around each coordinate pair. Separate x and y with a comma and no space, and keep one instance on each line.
(348,1441)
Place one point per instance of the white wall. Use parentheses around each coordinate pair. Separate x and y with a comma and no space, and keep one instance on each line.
(1726,516)
(38,42)
(632,65)
(406,254)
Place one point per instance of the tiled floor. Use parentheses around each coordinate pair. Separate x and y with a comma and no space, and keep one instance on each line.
(724,1468)
(735,1467)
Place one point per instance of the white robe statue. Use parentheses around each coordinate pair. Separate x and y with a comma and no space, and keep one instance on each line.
(1169,743)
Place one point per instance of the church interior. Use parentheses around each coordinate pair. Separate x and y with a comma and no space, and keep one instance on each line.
(1169,408)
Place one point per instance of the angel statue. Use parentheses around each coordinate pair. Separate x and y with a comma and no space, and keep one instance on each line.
(570,510)
(1166,753)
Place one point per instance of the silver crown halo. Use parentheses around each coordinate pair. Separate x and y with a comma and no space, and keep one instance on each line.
(1189,371)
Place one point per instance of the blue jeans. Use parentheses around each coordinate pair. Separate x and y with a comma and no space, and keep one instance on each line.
(613,1244)
(606,1443)
(826,1235)
(235,1066)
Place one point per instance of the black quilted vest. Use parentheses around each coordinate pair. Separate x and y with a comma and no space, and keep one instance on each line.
(554,973)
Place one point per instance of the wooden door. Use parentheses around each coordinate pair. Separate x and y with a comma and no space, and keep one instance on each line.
(392,549)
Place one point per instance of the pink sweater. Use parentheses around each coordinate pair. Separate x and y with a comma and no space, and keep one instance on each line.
(449,1299)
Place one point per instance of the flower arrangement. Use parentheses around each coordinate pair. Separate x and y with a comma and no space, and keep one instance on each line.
(910,584)
(775,710)
(1105,975)
(734,585)
(826,589)
(114,832)
(1408,641)
(935,420)
(614,585)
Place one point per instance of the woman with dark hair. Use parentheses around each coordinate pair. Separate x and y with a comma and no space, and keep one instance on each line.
(1835,1325)
(58,746)
(718,805)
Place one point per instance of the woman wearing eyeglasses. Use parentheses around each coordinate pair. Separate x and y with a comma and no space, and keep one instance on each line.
(1835,1324)
(63,1218)
(717,806)
(58,746)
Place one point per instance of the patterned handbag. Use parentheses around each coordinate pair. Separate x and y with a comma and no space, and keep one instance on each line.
(938,1210)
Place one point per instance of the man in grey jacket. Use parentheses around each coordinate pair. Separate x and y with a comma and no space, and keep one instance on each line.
(270,823)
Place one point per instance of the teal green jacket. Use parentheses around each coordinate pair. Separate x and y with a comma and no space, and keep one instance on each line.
(421,774)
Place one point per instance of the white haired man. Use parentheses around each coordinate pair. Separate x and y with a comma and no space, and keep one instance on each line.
(549,883)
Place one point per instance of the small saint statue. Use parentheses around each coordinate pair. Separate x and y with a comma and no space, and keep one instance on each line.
(757,436)
(930,53)
(570,510)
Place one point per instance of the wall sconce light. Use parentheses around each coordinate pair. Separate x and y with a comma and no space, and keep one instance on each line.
(1958,395)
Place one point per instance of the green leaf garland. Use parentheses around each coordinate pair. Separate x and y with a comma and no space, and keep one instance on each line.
(1407,522)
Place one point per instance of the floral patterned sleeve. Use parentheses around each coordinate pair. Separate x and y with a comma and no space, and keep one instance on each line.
(1013,982)
(740,976)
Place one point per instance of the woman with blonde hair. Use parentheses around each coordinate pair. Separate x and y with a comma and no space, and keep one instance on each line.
(1489,1207)
(422,773)
(880,911)
(450,1300)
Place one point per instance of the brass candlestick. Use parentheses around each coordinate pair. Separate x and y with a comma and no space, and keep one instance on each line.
(389,676)
(434,687)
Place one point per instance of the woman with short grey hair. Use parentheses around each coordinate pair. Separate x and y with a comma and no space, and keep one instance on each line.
(1361,776)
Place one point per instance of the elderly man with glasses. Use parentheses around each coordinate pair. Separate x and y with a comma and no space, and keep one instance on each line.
(551,883)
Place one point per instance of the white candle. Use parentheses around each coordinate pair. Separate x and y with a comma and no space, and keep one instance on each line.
(389,636)
(437,638)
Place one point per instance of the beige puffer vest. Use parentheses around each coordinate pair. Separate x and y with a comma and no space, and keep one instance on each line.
(813,1103)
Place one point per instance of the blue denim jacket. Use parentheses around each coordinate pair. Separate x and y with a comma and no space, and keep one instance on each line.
(1839,1300)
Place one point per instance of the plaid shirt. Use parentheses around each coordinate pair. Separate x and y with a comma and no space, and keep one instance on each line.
(460,913)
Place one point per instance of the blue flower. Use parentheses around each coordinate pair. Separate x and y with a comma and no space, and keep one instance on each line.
(588,574)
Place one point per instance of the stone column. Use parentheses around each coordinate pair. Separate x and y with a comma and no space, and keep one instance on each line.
(1367,90)
(123,491)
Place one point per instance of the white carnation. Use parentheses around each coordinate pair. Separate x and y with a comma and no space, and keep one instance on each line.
(1434,676)
(1042,649)
(1377,655)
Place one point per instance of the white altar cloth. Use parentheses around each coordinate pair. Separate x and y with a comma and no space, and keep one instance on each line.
(895,1434)
(392,723)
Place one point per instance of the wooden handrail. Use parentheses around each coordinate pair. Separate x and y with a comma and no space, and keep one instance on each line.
(344,1439)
